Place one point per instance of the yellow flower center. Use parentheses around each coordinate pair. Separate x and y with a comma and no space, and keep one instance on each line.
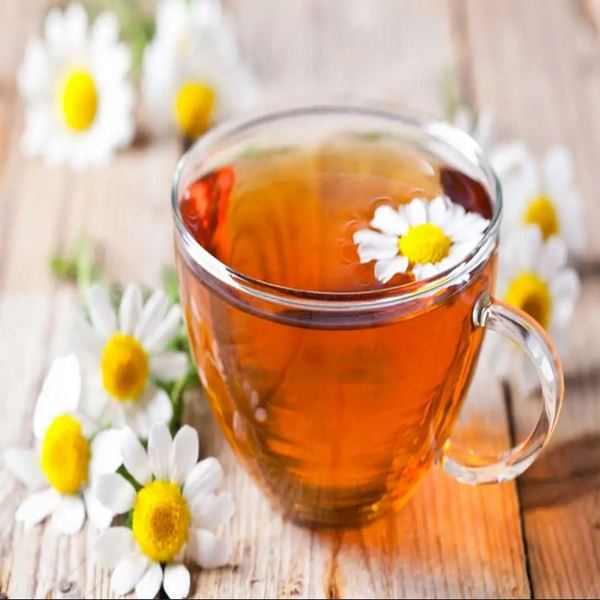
(530,293)
(79,100)
(161,520)
(541,212)
(65,455)
(124,367)
(425,243)
(194,108)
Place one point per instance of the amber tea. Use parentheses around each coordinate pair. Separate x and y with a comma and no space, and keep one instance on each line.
(337,412)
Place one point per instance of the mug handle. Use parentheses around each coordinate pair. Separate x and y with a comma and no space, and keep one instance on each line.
(524,331)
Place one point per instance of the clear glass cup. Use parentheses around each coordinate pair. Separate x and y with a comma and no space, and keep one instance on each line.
(305,385)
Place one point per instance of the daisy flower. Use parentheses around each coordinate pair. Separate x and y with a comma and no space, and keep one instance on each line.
(193,73)
(175,512)
(534,278)
(70,452)
(479,125)
(540,193)
(423,237)
(123,353)
(78,99)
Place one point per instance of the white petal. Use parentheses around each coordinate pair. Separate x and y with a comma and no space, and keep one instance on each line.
(557,167)
(102,313)
(130,308)
(98,514)
(158,405)
(176,581)
(375,246)
(152,315)
(60,393)
(415,212)
(159,451)
(149,585)
(112,546)
(439,210)
(389,221)
(204,478)
(37,506)
(87,342)
(468,226)
(212,511)
(114,492)
(128,572)
(564,289)
(184,454)
(169,365)
(165,331)
(207,550)
(25,465)
(424,271)
(95,403)
(106,452)
(387,268)
(553,257)
(68,517)
(135,458)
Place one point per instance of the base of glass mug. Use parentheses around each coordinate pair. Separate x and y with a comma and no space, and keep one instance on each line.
(334,518)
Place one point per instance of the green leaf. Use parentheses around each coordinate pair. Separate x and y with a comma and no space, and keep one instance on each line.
(171,284)
(137,26)
(80,265)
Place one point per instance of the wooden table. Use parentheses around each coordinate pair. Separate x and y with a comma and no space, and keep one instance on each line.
(537,64)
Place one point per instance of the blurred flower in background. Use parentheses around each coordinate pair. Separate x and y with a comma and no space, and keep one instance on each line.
(478,124)
(193,73)
(543,194)
(534,278)
(78,98)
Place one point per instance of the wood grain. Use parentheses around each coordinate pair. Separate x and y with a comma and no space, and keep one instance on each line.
(548,91)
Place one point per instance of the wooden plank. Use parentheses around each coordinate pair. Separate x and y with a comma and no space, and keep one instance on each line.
(538,65)
(449,540)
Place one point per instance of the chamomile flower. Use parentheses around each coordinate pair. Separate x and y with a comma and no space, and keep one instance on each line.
(69,454)
(193,74)
(479,125)
(534,278)
(125,353)
(78,99)
(174,513)
(541,193)
(422,237)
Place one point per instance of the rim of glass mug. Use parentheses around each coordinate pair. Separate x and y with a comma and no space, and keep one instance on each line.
(443,139)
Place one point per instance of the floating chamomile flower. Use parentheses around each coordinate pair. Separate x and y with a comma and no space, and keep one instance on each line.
(534,278)
(422,237)
(174,512)
(123,355)
(541,193)
(193,74)
(70,452)
(78,99)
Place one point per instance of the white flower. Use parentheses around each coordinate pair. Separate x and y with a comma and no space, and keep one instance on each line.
(540,193)
(193,73)
(533,277)
(425,237)
(174,514)
(78,99)
(122,353)
(70,452)
(479,125)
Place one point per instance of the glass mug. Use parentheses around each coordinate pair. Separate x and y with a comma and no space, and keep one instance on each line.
(338,402)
